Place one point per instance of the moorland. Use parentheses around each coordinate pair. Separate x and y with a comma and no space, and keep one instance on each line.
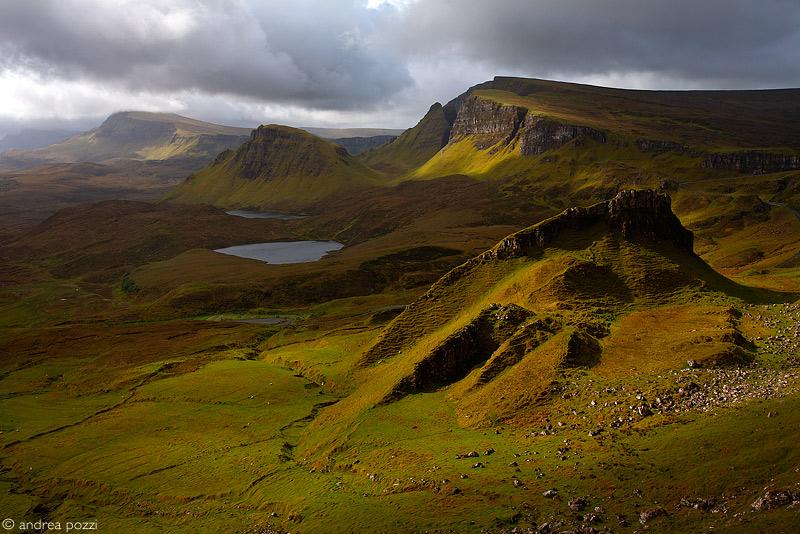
(557,307)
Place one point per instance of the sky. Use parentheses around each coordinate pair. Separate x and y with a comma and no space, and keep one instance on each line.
(359,63)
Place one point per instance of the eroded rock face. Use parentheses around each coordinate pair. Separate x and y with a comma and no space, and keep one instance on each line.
(633,213)
(454,357)
(753,162)
(539,135)
(655,145)
(488,123)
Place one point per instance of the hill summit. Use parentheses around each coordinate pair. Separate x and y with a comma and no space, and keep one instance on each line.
(279,166)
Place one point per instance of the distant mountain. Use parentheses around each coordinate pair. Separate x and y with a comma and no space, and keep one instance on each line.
(356,140)
(341,133)
(136,135)
(278,167)
(359,145)
(27,139)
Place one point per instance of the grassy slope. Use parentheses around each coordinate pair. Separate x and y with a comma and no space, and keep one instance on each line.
(283,180)
(212,439)
(414,147)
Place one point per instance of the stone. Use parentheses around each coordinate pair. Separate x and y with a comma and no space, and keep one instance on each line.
(774,499)
(645,516)
(578,504)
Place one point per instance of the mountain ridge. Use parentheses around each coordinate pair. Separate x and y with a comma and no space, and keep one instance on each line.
(135,135)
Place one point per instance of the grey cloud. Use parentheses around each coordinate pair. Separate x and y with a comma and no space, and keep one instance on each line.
(224,58)
(736,43)
(316,53)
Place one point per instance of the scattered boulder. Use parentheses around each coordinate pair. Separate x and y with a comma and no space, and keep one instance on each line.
(775,499)
(645,516)
(578,504)
(698,503)
(551,493)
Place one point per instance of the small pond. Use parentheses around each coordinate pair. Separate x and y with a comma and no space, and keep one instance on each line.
(284,251)
(247,214)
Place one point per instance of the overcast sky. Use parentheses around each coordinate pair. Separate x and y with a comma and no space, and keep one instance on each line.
(70,63)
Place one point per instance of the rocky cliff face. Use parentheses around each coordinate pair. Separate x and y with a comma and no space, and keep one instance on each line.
(488,123)
(539,134)
(754,162)
(634,214)
(659,146)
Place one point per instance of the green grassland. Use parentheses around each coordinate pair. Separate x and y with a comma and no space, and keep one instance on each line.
(134,391)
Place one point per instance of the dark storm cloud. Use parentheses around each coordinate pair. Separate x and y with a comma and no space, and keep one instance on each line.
(316,53)
(705,42)
(338,58)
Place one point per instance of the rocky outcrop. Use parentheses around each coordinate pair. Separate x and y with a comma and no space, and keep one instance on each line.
(752,162)
(632,213)
(522,342)
(650,145)
(487,123)
(659,147)
(539,134)
(462,350)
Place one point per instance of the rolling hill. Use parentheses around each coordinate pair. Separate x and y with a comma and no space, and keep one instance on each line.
(29,138)
(135,135)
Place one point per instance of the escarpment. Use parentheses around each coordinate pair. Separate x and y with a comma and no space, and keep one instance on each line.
(754,162)
(487,123)
(632,213)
